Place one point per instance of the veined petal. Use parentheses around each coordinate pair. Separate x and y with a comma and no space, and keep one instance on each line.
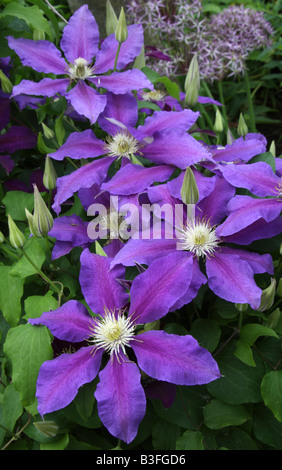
(80,36)
(133,179)
(131,48)
(258,263)
(84,177)
(232,279)
(176,359)
(42,56)
(59,379)
(87,101)
(240,150)
(174,146)
(70,228)
(164,119)
(214,206)
(260,229)
(154,291)
(121,399)
(16,138)
(80,145)
(122,108)
(123,82)
(99,285)
(46,87)
(70,322)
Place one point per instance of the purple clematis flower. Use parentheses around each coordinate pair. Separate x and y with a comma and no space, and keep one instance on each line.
(229,271)
(80,40)
(116,331)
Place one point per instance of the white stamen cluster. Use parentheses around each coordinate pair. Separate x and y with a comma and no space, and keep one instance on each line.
(122,144)
(199,238)
(155,95)
(113,332)
(80,69)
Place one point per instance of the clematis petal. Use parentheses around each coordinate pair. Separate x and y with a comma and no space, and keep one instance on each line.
(16,138)
(84,177)
(123,82)
(155,290)
(70,228)
(258,178)
(240,150)
(232,279)
(164,119)
(121,399)
(59,379)
(42,56)
(79,145)
(80,36)
(133,179)
(131,48)
(99,285)
(70,322)
(260,229)
(214,206)
(46,87)
(205,184)
(174,146)
(7,163)
(258,263)
(175,359)
(86,101)
(122,108)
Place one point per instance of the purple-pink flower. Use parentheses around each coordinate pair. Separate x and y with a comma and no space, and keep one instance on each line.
(117,330)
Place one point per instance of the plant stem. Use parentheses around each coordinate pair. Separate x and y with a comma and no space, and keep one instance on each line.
(117,54)
(55,11)
(221,99)
(250,103)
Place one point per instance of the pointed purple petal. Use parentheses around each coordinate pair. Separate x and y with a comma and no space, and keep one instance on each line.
(164,119)
(240,150)
(260,229)
(214,206)
(16,138)
(42,56)
(207,100)
(70,322)
(59,379)
(84,177)
(70,229)
(176,359)
(121,399)
(80,36)
(123,82)
(80,145)
(175,147)
(258,178)
(86,101)
(7,163)
(232,279)
(133,179)
(154,291)
(198,279)
(46,87)
(123,108)
(258,263)
(99,285)
(130,49)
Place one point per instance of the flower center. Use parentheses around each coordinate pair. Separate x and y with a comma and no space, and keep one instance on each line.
(199,238)
(80,69)
(122,145)
(113,332)
(155,95)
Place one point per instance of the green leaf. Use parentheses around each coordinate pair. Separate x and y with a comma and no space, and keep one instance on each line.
(27,347)
(171,87)
(271,390)
(16,202)
(190,440)
(266,157)
(35,249)
(165,435)
(218,415)
(11,291)
(12,407)
(35,305)
(33,16)
(60,129)
(248,336)
(207,332)
(266,428)
(58,443)
(148,104)
(42,147)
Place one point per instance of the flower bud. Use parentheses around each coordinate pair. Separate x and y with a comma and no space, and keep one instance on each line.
(242,126)
(218,123)
(30,221)
(17,238)
(121,32)
(189,190)
(267,296)
(38,34)
(192,82)
(48,428)
(241,307)
(139,62)
(49,175)
(48,133)
(111,19)
(272,148)
(6,85)
(2,238)
(42,218)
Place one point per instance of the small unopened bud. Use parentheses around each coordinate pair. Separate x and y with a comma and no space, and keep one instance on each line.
(192,83)
(139,62)
(42,217)
(242,126)
(48,428)
(218,123)
(241,307)
(2,238)
(267,296)
(49,175)
(48,133)
(189,189)
(272,148)
(6,84)
(279,288)
(16,237)
(121,32)
(111,19)
(38,34)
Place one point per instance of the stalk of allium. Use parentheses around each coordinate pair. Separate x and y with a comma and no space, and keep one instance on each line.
(115,330)
(82,80)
